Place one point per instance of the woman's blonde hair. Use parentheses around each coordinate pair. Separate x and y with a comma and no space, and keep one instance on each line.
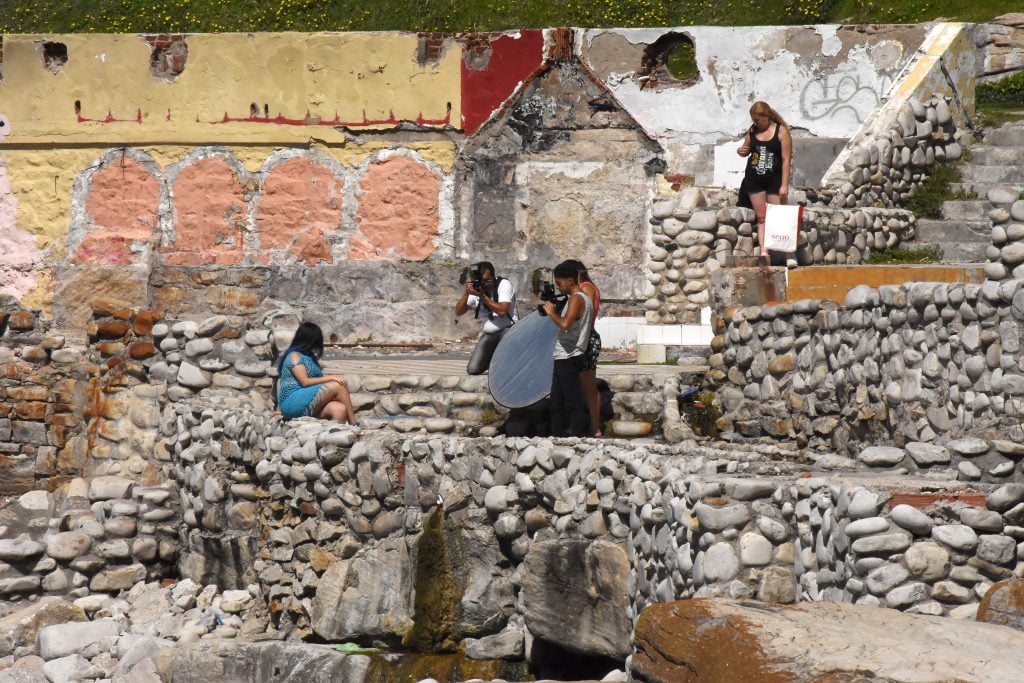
(760,108)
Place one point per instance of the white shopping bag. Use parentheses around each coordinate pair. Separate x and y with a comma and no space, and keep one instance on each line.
(782,227)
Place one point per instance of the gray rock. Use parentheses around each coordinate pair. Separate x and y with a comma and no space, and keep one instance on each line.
(777,585)
(866,527)
(509,644)
(70,668)
(1006,496)
(369,595)
(721,518)
(108,487)
(118,578)
(882,544)
(956,536)
(755,550)
(720,563)
(574,595)
(927,454)
(927,561)
(982,520)
(20,627)
(773,530)
(749,489)
(881,456)
(997,549)
(19,549)
(863,504)
(911,519)
(950,591)
(902,596)
(968,447)
(193,377)
(61,640)
(883,579)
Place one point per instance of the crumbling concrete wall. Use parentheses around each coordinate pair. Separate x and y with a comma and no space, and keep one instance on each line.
(564,172)
(824,80)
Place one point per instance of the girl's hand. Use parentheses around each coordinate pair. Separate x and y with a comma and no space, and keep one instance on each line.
(549,308)
(340,380)
(744,150)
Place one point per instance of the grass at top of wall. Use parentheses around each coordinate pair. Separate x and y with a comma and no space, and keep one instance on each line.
(147,16)
(918,11)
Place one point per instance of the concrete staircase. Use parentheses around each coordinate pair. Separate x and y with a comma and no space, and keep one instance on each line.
(964,231)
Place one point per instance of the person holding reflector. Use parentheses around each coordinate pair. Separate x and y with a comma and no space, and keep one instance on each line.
(569,416)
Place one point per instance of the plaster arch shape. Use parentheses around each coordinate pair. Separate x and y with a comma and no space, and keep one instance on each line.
(417,224)
(206,209)
(298,215)
(115,207)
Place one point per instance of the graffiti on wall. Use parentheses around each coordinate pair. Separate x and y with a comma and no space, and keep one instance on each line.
(835,95)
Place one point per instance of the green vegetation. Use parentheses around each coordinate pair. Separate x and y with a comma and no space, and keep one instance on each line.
(929,253)
(1007,91)
(129,16)
(926,201)
(702,413)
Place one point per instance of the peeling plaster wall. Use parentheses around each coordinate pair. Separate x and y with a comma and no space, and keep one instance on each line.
(824,80)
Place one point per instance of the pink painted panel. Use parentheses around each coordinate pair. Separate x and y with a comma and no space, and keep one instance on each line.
(301,203)
(398,211)
(209,211)
(19,256)
(122,209)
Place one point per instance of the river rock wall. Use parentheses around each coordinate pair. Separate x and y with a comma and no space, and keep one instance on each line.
(691,241)
(917,362)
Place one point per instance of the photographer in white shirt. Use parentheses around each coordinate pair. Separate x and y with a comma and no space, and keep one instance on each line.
(493,299)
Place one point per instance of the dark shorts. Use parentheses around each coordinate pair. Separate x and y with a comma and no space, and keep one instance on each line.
(770,184)
(592,352)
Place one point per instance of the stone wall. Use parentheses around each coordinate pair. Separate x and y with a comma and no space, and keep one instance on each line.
(917,362)
(690,242)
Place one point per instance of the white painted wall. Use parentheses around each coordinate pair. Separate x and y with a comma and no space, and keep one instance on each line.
(740,65)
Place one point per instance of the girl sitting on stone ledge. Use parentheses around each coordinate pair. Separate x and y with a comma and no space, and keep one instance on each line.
(304,390)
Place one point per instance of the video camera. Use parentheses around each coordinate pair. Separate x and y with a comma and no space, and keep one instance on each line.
(544,289)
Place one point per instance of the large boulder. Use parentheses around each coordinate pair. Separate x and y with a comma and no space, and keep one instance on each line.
(370,594)
(20,628)
(738,640)
(575,596)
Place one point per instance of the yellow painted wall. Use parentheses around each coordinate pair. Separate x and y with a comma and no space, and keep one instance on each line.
(324,75)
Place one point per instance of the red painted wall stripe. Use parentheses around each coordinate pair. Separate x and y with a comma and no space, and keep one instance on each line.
(513,58)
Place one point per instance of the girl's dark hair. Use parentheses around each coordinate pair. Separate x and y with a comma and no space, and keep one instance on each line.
(567,269)
(308,340)
(581,270)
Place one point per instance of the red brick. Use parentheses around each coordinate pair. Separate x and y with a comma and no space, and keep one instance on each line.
(28,393)
(105,306)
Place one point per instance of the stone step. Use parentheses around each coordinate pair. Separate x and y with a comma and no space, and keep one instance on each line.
(990,155)
(981,189)
(934,231)
(1010,134)
(963,252)
(966,209)
(992,174)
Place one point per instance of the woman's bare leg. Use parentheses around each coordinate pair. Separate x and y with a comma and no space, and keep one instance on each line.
(335,410)
(337,394)
(759,201)
(591,397)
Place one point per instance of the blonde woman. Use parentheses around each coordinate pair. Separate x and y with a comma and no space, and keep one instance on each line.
(768,147)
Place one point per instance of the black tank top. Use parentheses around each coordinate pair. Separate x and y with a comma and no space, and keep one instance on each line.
(765,158)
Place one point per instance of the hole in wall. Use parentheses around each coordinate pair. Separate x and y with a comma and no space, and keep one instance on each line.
(169,56)
(55,56)
(254,110)
(670,61)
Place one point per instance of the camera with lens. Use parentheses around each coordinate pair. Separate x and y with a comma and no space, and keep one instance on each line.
(474,275)
(544,289)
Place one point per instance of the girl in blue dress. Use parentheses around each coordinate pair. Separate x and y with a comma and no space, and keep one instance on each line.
(304,390)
